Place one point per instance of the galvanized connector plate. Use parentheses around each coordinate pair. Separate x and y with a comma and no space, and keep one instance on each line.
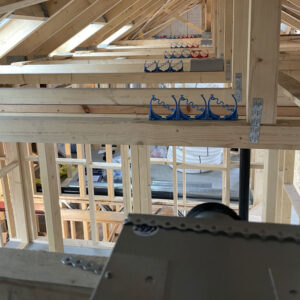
(257,106)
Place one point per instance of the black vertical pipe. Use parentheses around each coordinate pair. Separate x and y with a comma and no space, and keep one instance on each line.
(244,183)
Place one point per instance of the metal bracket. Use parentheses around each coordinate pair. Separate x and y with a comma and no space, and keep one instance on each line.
(89,48)
(238,87)
(256,112)
(228,70)
(40,56)
(13,59)
(207,35)
(205,42)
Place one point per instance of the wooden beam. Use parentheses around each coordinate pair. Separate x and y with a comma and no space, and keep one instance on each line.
(17,193)
(7,198)
(271,163)
(91,193)
(220,23)
(142,16)
(290,20)
(28,191)
(116,23)
(72,129)
(89,15)
(191,25)
(51,196)
(10,6)
(126,179)
(61,26)
(226,177)
(141,179)
(240,43)
(89,74)
(83,96)
(291,85)
(287,178)
(160,43)
(4,171)
(48,277)
(263,56)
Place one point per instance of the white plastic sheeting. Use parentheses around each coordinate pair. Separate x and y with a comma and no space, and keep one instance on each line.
(197,155)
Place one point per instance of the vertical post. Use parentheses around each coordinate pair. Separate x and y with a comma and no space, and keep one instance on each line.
(73,230)
(141,179)
(240,43)
(279,187)
(175,183)
(110,175)
(214,32)
(68,155)
(82,188)
(226,177)
(263,57)
(269,185)
(89,171)
(184,179)
(208,15)
(65,229)
(28,192)
(244,183)
(288,178)
(126,179)
(220,28)
(51,197)
(228,32)
(7,198)
(17,193)
(252,171)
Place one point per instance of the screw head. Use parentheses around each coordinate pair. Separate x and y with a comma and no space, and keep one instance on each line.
(108,275)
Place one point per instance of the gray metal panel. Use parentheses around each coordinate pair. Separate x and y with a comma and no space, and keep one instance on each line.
(207,65)
(205,259)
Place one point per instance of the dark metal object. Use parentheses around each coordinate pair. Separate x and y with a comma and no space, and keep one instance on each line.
(44,9)
(190,258)
(82,264)
(212,210)
(244,183)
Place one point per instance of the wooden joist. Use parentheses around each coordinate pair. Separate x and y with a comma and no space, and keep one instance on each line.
(80,96)
(38,274)
(51,196)
(97,9)
(10,6)
(291,86)
(91,130)
(35,74)
(290,20)
(264,56)
(61,26)
(117,23)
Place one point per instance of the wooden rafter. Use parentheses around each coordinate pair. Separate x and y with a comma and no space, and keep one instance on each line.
(10,6)
(118,22)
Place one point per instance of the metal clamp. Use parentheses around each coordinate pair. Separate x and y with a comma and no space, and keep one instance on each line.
(82,264)
(256,112)
(238,87)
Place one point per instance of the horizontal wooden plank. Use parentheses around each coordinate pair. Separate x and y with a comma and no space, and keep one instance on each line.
(101,96)
(156,43)
(293,195)
(48,278)
(10,7)
(80,96)
(4,171)
(84,215)
(128,110)
(91,130)
(81,74)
